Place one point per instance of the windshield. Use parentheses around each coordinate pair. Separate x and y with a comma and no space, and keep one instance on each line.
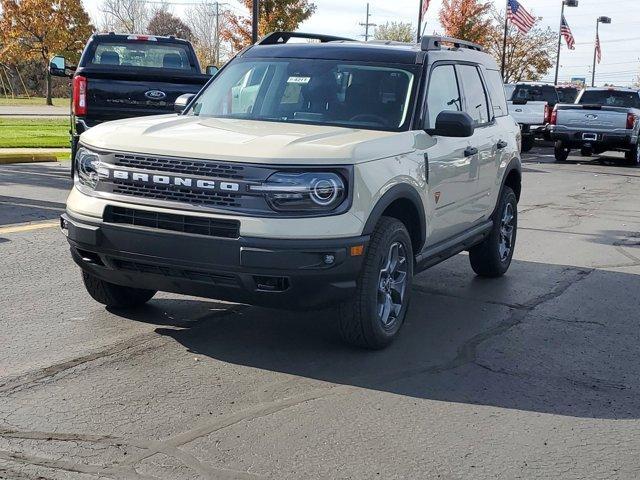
(611,98)
(141,55)
(567,94)
(324,92)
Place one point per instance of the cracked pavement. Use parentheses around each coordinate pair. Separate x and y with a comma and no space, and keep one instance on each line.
(531,376)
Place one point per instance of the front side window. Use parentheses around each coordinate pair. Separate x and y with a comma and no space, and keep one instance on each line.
(443,93)
(476,104)
(141,55)
(324,92)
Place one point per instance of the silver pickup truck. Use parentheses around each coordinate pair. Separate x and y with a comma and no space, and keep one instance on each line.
(602,119)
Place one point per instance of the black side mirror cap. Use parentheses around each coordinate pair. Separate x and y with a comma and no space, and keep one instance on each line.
(182,101)
(453,124)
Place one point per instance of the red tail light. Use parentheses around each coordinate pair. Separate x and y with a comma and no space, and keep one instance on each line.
(553,117)
(631,121)
(547,113)
(79,95)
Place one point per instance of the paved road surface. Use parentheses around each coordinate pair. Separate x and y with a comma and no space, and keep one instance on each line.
(533,376)
(33,111)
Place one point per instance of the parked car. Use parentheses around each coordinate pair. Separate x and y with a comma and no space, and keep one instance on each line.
(346,168)
(603,119)
(531,105)
(123,76)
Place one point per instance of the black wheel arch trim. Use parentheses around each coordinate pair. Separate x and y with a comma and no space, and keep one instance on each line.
(401,191)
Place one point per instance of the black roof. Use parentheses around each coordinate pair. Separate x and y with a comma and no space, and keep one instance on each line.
(339,50)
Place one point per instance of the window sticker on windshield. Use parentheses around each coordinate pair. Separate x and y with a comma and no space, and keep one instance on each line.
(299,80)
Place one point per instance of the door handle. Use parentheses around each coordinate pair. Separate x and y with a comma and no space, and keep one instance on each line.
(502,145)
(470,151)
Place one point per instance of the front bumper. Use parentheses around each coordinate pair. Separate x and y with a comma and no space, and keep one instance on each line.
(288,274)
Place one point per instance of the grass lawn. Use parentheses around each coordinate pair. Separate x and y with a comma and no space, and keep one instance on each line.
(34,132)
(27,102)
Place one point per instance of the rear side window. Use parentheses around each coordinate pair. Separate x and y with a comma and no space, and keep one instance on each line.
(443,93)
(497,93)
(536,93)
(610,98)
(141,55)
(476,103)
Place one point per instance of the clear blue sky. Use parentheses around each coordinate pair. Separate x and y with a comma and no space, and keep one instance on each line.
(620,40)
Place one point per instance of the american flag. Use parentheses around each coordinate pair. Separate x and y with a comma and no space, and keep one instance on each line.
(598,49)
(519,16)
(425,7)
(566,33)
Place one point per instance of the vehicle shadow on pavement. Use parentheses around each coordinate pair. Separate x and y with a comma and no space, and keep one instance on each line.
(49,175)
(546,338)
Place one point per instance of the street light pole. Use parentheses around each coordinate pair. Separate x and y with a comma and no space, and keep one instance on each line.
(600,20)
(568,3)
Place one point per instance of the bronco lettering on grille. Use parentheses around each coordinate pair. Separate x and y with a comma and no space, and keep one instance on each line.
(174,180)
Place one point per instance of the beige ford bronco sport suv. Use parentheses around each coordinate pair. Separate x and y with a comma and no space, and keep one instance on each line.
(321,173)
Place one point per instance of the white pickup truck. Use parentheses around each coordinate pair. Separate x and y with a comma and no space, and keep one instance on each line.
(531,105)
(602,119)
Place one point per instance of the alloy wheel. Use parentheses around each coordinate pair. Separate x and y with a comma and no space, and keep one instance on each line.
(507,230)
(392,285)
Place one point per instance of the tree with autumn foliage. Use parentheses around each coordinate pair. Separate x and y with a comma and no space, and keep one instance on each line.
(36,30)
(529,56)
(467,20)
(274,15)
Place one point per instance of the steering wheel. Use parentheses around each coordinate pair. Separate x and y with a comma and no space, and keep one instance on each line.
(369,118)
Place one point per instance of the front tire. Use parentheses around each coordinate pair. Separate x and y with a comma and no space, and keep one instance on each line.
(493,256)
(373,318)
(115,296)
(561,152)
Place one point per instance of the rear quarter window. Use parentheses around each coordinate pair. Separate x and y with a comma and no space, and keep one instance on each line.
(145,54)
(497,93)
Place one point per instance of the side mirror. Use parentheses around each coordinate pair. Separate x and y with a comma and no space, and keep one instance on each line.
(453,124)
(58,66)
(182,101)
(212,70)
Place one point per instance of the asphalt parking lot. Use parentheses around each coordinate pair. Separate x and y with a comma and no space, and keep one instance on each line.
(532,376)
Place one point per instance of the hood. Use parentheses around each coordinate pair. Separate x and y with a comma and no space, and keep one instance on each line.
(246,140)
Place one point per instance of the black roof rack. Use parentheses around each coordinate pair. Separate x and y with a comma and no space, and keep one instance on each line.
(434,42)
(276,38)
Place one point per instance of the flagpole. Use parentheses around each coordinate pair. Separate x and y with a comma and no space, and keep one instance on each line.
(595,51)
(504,42)
(555,82)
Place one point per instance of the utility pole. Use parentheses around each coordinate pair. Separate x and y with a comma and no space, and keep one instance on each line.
(254,21)
(217,34)
(367,24)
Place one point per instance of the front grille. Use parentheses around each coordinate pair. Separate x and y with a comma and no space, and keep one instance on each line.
(203,168)
(176,223)
(175,272)
(177,194)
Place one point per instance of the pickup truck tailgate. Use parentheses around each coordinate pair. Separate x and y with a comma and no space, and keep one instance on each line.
(530,113)
(595,118)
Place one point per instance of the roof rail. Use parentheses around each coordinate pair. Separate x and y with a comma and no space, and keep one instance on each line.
(276,38)
(434,42)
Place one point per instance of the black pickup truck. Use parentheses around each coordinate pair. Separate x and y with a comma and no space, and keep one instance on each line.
(122,76)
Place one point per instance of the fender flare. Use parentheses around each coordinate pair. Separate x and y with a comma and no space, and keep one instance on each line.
(401,191)
(514,164)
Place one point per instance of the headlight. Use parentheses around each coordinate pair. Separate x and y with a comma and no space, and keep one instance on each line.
(88,167)
(303,191)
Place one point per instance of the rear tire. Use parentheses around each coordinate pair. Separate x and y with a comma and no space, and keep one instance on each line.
(527,143)
(373,318)
(115,296)
(493,256)
(632,157)
(561,152)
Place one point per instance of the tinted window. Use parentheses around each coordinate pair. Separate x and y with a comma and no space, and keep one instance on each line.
(141,55)
(497,93)
(323,92)
(567,94)
(610,98)
(508,90)
(476,103)
(443,93)
(536,93)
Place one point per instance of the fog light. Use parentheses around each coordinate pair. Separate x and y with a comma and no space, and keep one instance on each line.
(329,259)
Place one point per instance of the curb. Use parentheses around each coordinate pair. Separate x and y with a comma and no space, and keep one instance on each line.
(8,158)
